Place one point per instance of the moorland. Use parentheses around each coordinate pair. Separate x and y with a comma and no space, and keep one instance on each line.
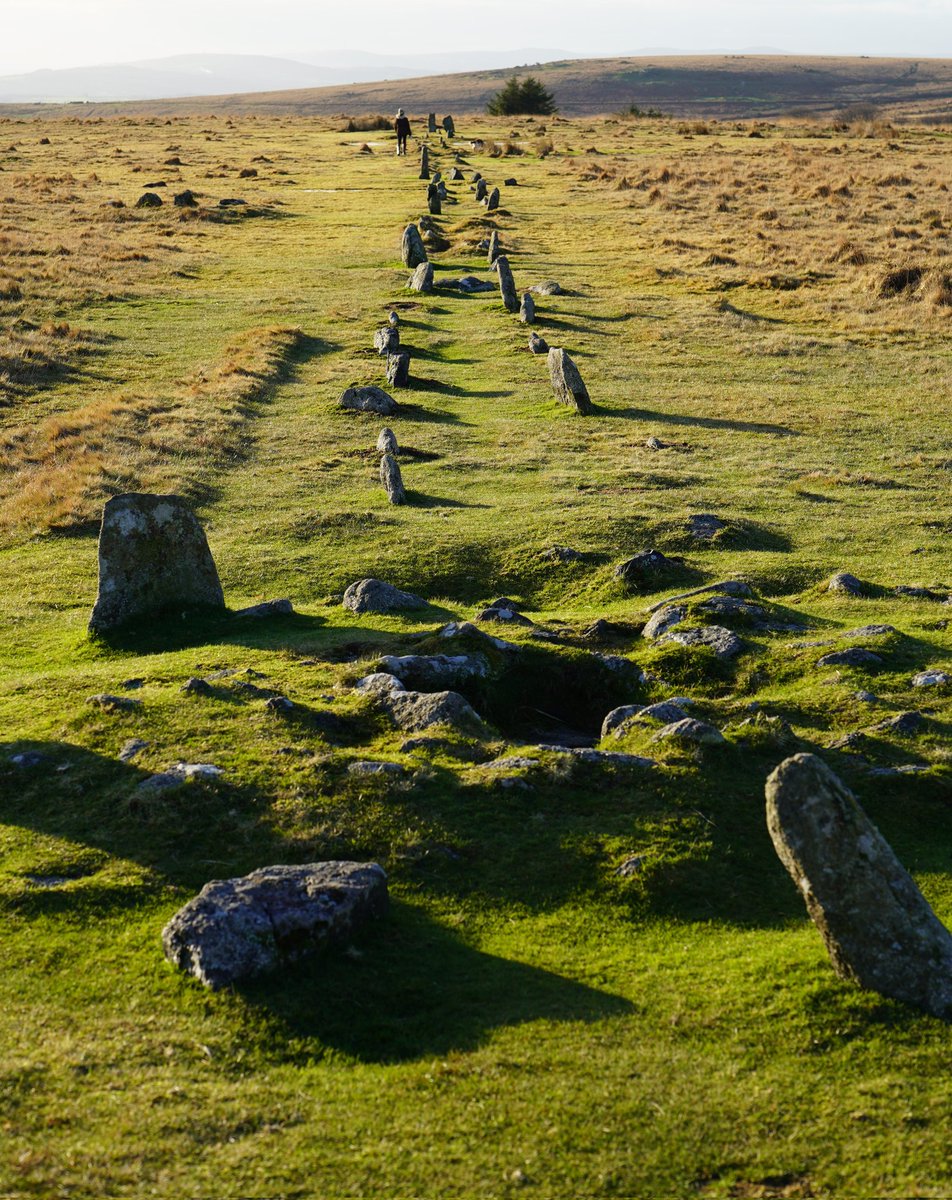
(593,981)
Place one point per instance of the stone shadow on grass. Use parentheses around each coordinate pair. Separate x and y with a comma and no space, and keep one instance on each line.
(671,418)
(413,989)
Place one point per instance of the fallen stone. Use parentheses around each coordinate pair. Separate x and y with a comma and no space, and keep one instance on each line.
(567,382)
(869,631)
(739,610)
(132,749)
(231,202)
(387,441)
(378,683)
(398,369)
(905,723)
(705,526)
(235,929)
(527,310)
(373,595)
(647,569)
(175,776)
(730,587)
(721,641)
(538,344)
(435,672)
(369,767)
(413,251)
(919,593)
(110,703)
(465,629)
(185,199)
(279,704)
(422,278)
(548,287)
(512,762)
(853,657)
(267,609)
(149,200)
(619,720)
(153,558)
(877,927)
(504,610)
(690,730)
(392,479)
(416,711)
(469,283)
(663,620)
(562,554)
(846,585)
(931,679)
(507,285)
(387,340)
(368,399)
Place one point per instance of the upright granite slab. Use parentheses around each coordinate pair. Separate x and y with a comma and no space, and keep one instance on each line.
(153,558)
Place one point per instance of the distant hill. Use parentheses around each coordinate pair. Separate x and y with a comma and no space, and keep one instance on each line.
(722,86)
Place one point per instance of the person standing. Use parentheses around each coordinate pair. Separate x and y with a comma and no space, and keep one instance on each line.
(401,127)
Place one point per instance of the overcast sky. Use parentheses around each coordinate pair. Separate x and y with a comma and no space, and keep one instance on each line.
(61,33)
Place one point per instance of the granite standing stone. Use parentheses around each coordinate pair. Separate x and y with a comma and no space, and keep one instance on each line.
(494,248)
(449,126)
(877,926)
(398,369)
(433,200)
(387,340)
(422,278)
(153,558)
(414,252)
(424,163)
(480,189)
(492,200)
(567,382)
(392,480)
(431,123)
(507,285)
(387,441)
(527,310)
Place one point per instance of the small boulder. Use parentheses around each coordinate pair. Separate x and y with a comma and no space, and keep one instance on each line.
(378,683)
(548,287)
(647,569)
(267,609)
(690,730)
(422,278)
(149,200)
(470,284)
(238,928)
(705,526)
(664,619)
(435,672)
(416,711)
(387,441)
(392,479)
(185,199)
(527,310)
(373,595)
(368,399)
(538,344)
(853,657)
(931,679)
(846,585)
(721,641)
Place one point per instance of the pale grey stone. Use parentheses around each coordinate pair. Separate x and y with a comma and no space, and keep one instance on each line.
(567,382)
(413,250)
(422,278)
(373,595)
(392,479)
(368,399)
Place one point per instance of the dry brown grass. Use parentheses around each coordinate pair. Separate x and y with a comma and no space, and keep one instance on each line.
(58,474)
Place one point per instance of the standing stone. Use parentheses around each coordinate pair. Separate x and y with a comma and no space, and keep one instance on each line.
(237,928)
(431,123)
(398,368)
(527,310)
(433,200)
(507,285)
(456,175)
(422,278)
(153,557)
(567,382)
(494,250)
(392,480)
(537,344)
(449,126)
(387,441)
(424,163)
(387,340)
(414,252)
(492,200)
(876,924)
(480,189)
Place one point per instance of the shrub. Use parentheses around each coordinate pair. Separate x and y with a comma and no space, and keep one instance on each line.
(520,97)
(368,123)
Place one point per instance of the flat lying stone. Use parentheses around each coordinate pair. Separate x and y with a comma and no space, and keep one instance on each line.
(877,927)
(604,758)
(269,608)
(869,631)
(855,656)
(690,730)
(548,287)
(378,683)
(905,723)
(235,929)
(416,711)
(664,620)
(931,679)
(469,283)
(435,672)
(647,569)
(176,775)
(373,595)
(110,703)
(368,399)
(369,767)
(723,642)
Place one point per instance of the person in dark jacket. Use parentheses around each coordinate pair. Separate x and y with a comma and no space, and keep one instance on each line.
(401,127)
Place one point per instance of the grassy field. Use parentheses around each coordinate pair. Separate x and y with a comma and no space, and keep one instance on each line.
(774,311)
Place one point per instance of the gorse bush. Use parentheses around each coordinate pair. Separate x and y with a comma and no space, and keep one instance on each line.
(521,97)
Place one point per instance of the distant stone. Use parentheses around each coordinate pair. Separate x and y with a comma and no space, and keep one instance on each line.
(368,399)
(507,285)
(878,929)
(449,127)
(435,672)
(392,479)
(185,199)
(378,683)
(434,199)
(279,704)
(373,595)
(846,585)
(369,767)
(853,657)
(235,929)
(631,867)
(647,570)
(733,608)
(705,526)
(398,369)
(387,340)
(494,249)
(149,200)
(503,610)
(619,717)
(492,200)
(176,776)
(562,554)
(424,163)
(197,687)
(431,123)
(456,175)
(906,724)
(510,182)
(919,593)
(416,711)
(721,641)
(153,558)
(931,679)
(413,251)
(29,760)
(267,609)
(689,730)
(538,344)
(422,278)
(654,443)
(387,441)
(527,309)
(548,287)
(393,318)
(481,188)
(132,749)
(869,631)
(567,382)
(663,620)
(231,202)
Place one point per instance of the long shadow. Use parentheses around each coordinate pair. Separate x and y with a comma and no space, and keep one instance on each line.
(416,990)
(422,500)
(422,384)
(647,414)
(440,416)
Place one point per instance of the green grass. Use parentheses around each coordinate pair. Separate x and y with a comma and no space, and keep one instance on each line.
(527,1019)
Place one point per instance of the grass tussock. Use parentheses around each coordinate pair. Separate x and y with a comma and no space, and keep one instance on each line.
(58,474)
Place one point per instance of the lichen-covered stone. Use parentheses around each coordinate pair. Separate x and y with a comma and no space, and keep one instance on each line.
(567,383)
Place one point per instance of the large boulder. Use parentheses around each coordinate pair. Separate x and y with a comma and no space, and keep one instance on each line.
(153,558)
(238,928)
(373,595)
(415,711)
(876,924)
(567,383)
(368,399)
(435,672)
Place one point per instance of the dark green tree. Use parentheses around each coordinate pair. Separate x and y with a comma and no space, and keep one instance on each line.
(520,97)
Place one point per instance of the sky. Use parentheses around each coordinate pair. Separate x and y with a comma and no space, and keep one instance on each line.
(64,33)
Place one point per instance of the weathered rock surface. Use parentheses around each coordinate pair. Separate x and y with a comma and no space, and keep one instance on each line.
(413,251)
(153,557)
(846,584)
(387,441)
(663,620)
(387,340)
(435,672)
(865,631)
(378,683)
(705,526)
(373,595)
(907,724)
(433,199)
(392,479)
(647,569)
(877,927)
(665,712)
(416,711)
(507,285)
(855,656)
(481,188)
(494,248)
(424,163)
(527,310)
(538,344)
(492,200)
(238,928)
(689,730)
(398,369)
(567,382)
(149,200)
(175,776)
(110,703)
(931,679)
(422,278)
(267,609)
(548,287)
(368,399)
(723,642)
(469,283)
